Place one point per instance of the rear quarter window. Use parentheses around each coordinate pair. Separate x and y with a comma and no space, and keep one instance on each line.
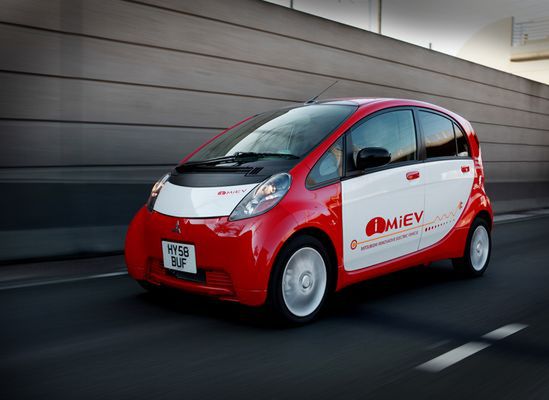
(461,142)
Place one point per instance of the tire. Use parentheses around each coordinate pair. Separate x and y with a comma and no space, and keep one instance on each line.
(477,250)
(301,280)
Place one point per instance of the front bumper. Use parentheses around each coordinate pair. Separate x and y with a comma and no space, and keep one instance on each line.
(234,258)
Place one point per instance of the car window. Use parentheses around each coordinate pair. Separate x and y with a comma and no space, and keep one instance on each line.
(294,131)
(329,167)
(438,133)
(461,142)
(393,130)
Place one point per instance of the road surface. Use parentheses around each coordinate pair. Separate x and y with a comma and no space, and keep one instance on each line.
(420,333)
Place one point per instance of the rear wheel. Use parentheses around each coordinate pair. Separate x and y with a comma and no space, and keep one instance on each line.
(301,280)
(477,251)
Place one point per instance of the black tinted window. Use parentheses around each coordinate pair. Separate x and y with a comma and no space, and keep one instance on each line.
(461,142)
(392,130)
(439,135)
(329,167)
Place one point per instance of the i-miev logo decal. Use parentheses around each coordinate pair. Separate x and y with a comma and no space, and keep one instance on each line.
(381,225)
(390,226)
(230,192)
(402,227)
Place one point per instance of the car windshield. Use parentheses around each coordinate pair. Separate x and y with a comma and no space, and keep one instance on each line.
(285,132)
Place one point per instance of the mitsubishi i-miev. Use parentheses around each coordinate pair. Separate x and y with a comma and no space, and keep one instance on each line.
(294,204)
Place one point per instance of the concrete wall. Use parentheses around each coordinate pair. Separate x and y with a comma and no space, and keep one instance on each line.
(100,97)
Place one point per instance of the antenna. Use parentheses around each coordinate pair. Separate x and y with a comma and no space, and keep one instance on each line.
(313,100)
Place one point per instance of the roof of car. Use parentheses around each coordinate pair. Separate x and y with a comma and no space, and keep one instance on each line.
(387,102)
(349,101)
(392,102)
(361,101)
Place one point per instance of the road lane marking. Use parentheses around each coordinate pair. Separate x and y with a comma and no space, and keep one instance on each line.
(460,353)
(504,331)
(453,356)
(66,280)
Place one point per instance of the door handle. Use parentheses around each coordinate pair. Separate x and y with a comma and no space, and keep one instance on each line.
(465,169)
(412,175)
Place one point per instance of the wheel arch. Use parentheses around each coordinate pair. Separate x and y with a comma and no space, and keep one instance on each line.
(328,244)
(485,215)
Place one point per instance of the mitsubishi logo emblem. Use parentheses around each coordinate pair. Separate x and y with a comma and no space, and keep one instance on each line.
(177,229)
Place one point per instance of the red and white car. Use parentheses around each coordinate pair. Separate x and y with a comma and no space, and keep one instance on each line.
(291,205)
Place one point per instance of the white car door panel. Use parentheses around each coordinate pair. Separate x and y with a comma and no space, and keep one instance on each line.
(382,215)
(383,210)
(448,184)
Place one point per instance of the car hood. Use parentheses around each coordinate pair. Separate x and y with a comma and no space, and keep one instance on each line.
(200,202)
(213,191)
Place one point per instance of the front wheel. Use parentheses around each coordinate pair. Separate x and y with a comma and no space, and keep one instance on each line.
(301,280)
(477,251)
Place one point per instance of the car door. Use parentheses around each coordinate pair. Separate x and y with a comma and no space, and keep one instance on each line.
(383,207)
(448,175)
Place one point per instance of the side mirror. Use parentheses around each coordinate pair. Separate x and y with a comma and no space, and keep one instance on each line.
(371,157)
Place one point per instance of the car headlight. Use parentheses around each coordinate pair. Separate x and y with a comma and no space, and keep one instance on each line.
(262,198)
(155,191)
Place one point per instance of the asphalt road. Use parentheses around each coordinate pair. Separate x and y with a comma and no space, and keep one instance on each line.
(106,338)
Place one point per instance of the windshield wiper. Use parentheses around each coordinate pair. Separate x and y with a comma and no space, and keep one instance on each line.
(241,157)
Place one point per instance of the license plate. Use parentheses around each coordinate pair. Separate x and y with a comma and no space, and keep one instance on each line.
(179,256)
